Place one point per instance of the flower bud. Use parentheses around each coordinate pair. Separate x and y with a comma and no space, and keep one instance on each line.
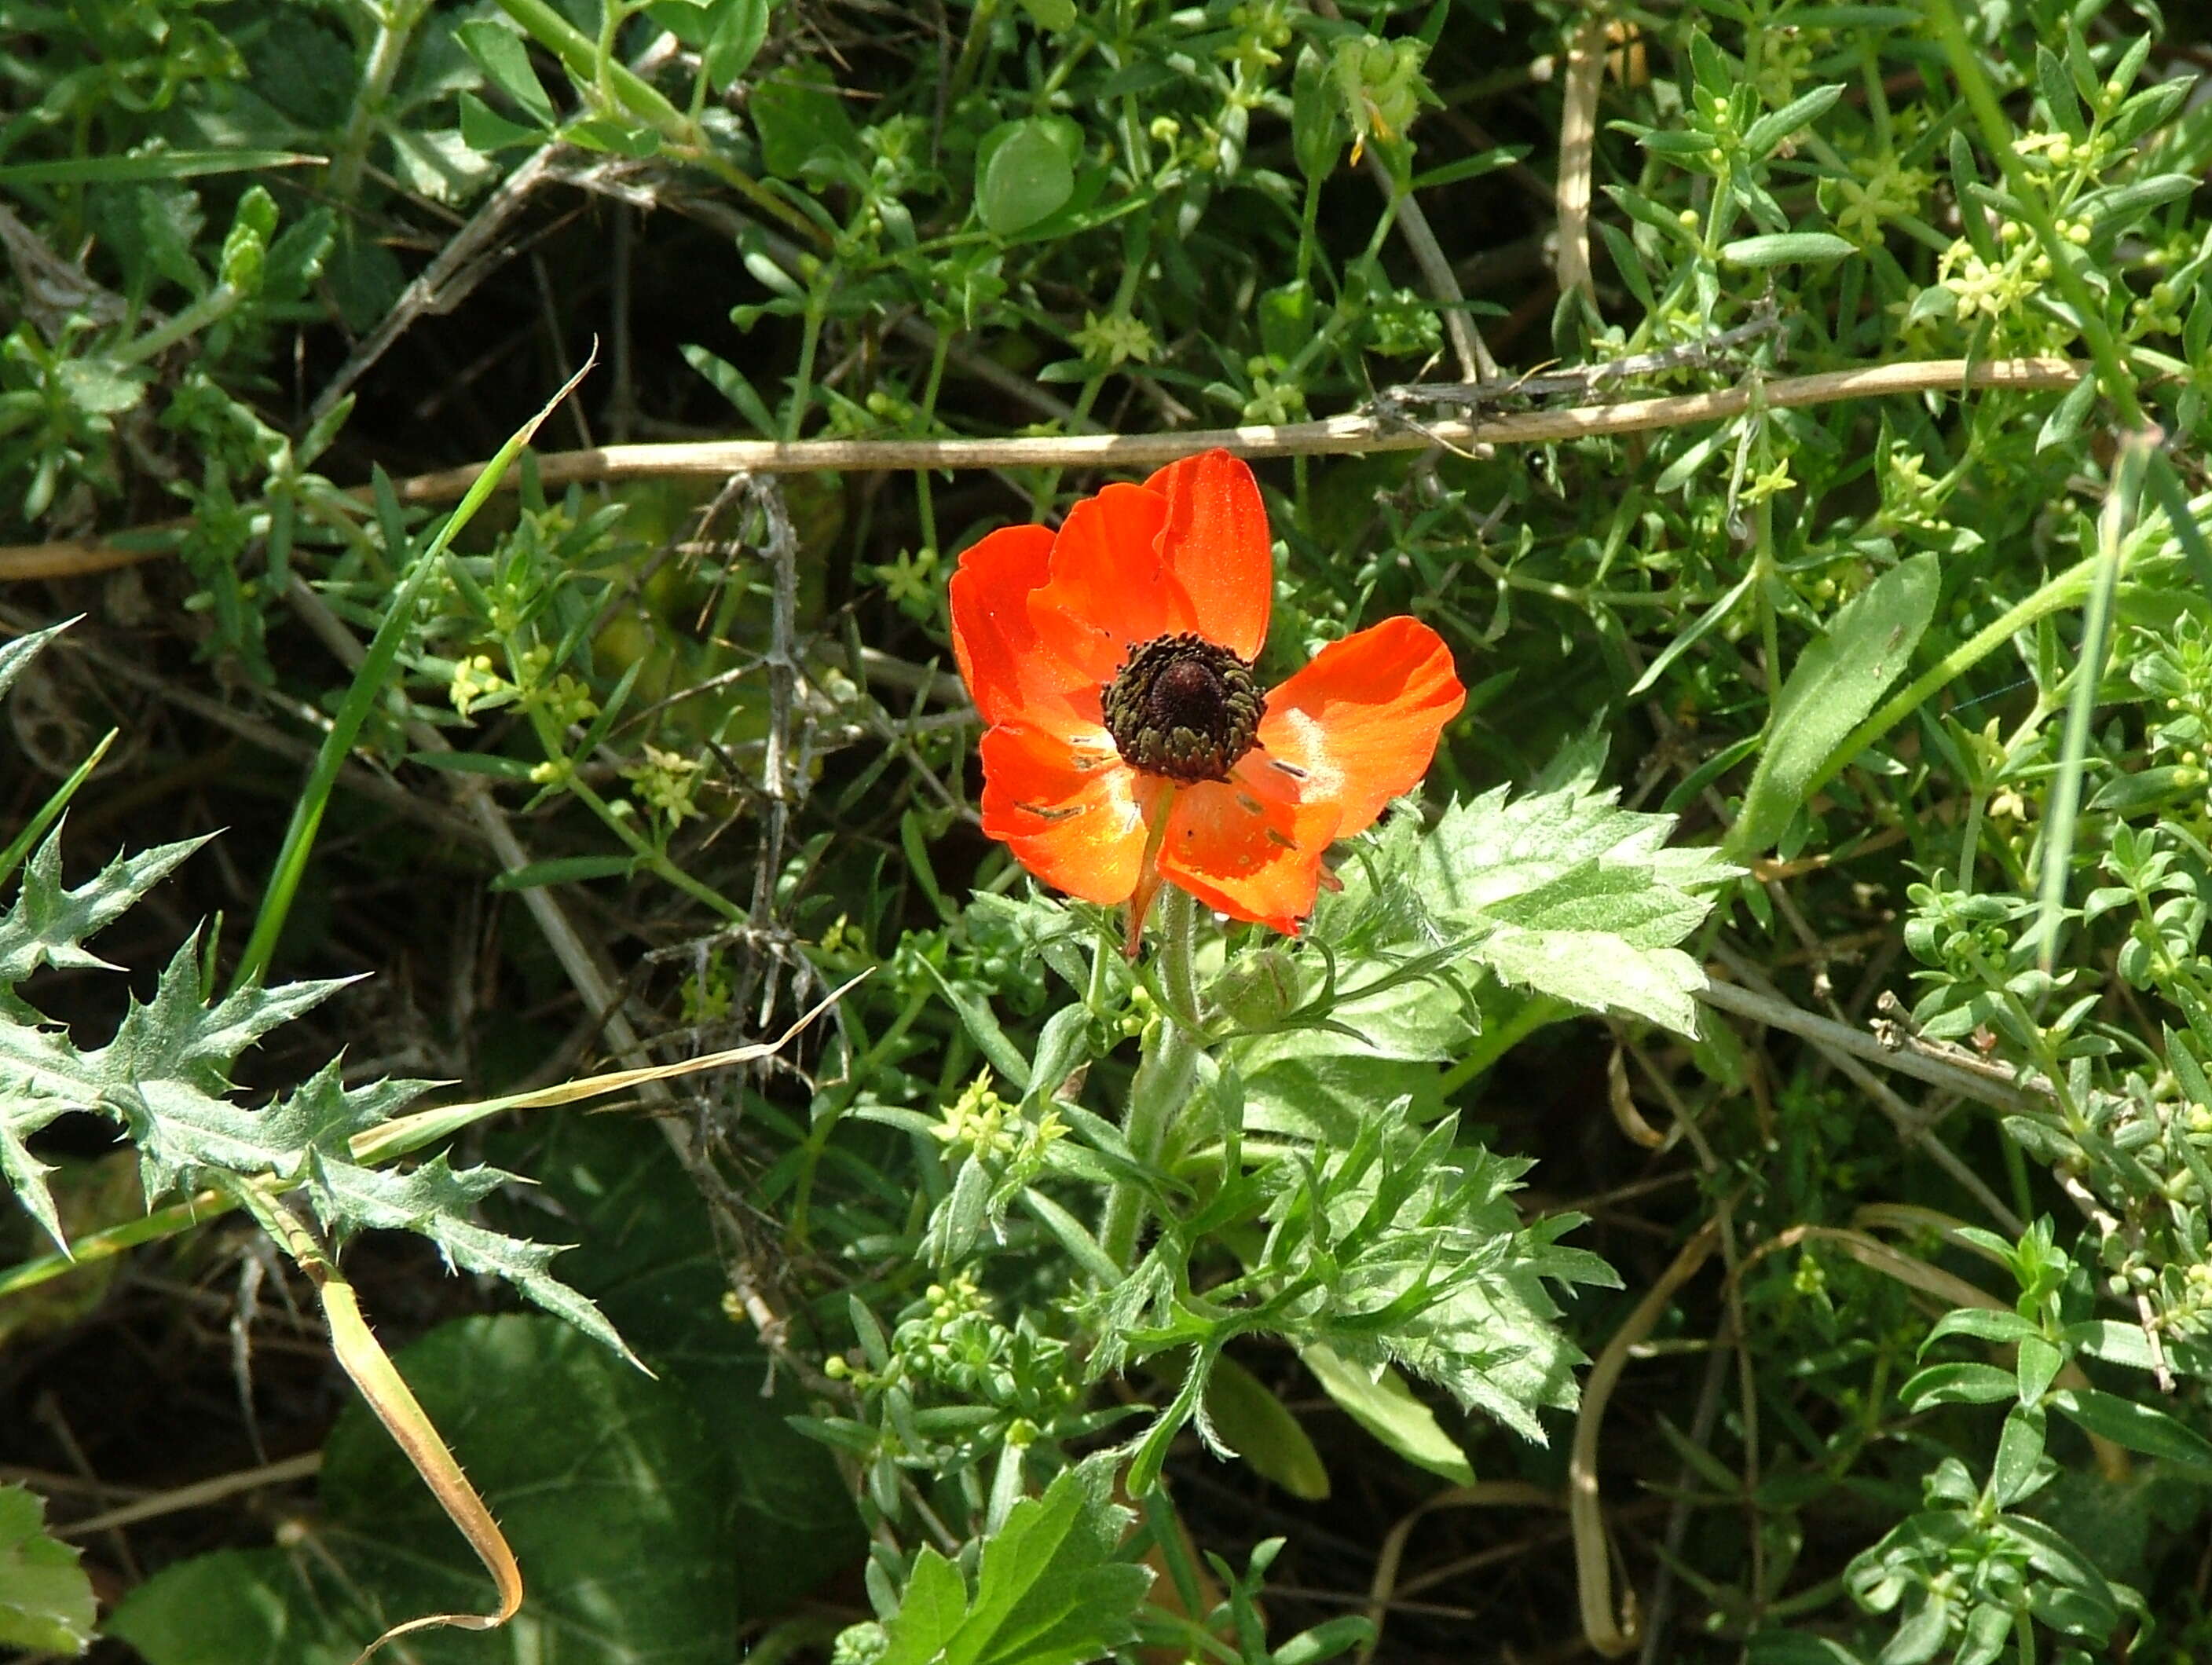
(1259,989)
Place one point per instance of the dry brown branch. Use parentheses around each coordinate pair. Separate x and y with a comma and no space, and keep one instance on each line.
(199,1495)
(1989,1088)
(1610,1633)
(1333,436)
(1585,79)
(1483,1494)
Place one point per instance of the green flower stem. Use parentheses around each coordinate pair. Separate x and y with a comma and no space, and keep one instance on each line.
(658,859)
(395,27)
(1163,1085)
(929,425)
(1125,297)
(802,383)
(211,308)
(1494,1043)
(825,1120)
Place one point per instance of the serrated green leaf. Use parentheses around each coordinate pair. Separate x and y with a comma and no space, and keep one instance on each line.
(1569,895)
(1432,1269)
(1051,1588)
(46,1605)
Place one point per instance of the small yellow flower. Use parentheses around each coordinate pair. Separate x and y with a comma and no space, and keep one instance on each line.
(665,780)
(1108,341)
(477,686)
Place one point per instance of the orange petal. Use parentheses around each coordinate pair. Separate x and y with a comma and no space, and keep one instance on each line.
(993,640)
(1359,725)
(1217,546)
(1108,589)
(1253,853)
(1073,813)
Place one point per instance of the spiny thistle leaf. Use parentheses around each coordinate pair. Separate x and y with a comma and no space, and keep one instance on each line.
(18,653)
(165,1078)
(48,923)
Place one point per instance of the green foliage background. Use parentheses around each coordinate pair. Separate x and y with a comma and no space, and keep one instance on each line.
(1868,711)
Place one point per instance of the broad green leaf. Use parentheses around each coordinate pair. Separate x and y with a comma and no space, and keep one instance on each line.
(100,389)
(2038,1365)
(1776,125)
(46,1600)
(1023,174)
(802,125)
(1829,691)
(609,1485)
(487,131)
(1386,1407)
(728,33)
(1051,1588)
(1258,1427)
(1948,1384)
(647,1254)
(2014,1473)
(733,383)
(1316,116)
(1996,1324)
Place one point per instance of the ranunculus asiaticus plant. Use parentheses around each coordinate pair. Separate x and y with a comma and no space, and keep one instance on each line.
(1127,741)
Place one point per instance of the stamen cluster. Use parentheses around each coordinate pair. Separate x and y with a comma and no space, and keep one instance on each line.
(1184,708)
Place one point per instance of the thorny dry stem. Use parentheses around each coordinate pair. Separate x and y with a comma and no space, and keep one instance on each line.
(1585,79)
(1346,436)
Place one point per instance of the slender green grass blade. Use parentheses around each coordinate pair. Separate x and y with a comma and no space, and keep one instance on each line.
(368,687)
(35,827)
(2167,485)
(2065,804)
(156,165)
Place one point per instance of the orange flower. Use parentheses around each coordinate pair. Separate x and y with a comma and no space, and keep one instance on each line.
(1126,741)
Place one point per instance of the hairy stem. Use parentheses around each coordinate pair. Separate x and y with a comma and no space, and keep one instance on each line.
(1163,1077)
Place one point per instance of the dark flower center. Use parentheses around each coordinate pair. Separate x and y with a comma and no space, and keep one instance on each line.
(1182,707)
